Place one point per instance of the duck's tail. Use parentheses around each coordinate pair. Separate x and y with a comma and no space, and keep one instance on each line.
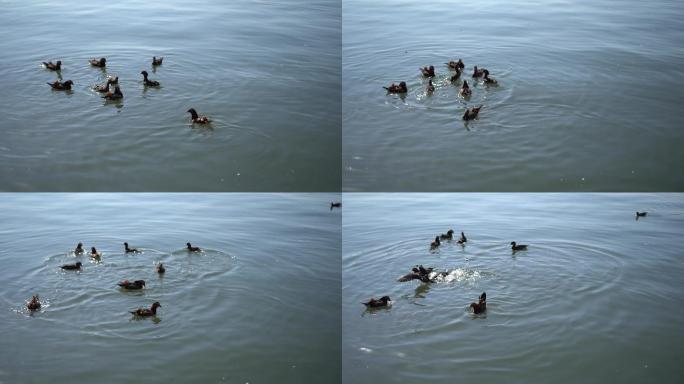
(386,88)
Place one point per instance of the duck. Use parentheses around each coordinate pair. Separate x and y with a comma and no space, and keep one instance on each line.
(197,119)
(478,72)
(641,214)
(156,61)
(147,312)
(471,113)
(190,248)
(463,239)
(72,267)
(160,268)
(132,285)
(79,249)
(518,247)
(130,250)
(481,305)
(435,244)
(430,87)
(59,86)
(457,65)
(449,235)
(397,88)
(34,304)
(98,63)
(335,205)
(488,80)
(428,71)
(113,79)
(117,94)
(149,83)
(465,90)
(94,253)
(384,301)
(455,76)
(53,66)
(104,88)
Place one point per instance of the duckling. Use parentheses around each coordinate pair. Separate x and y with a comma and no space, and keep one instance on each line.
(147,312)
(335,205)
(160,268)
(435,243)
(488,80)
(449,235)
(117,94)
(455,76)
(34,304)
(640,214)
(384,301)
(394,88)
(465,90)
(132,285)
(478,72)
(197,119)
(156,61)
(53,66)
(79,249)
(430,87)
(463,239)
(130,250)
(190,248)
(149,83)
(481,305)
(98,63)
(59,86)
(457,65)
(428,71)
(72,267)
(471,113)
(518,247)
(94,253)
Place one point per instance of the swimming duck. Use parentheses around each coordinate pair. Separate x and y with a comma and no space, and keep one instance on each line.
(335,205)
(94,253)
(518,247)
(430,87)
(428,71)
(72,267)
(449,235)
(465,89)
(53,66)
(435,243)
(197,119)
(481,305)
(59,86)
(104,88)
(130,250)
(463,239)
(160,268)
(145,312)
(133,285)
(455,76)
(34,304)
(478,72)
(156,61)
(488,80)
(640,214)
(457,65)
(117,94)
(471,113)
(377,303)
(79,249)
(149,83)
(190,248)
(98,63)
(394,88)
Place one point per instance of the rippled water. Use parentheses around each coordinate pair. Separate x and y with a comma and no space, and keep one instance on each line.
(588,97)
(266,73)
(598,296)
(260,304)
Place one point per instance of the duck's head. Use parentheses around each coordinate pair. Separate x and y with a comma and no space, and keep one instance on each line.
(193,113)
(513,243)
(403,84)
(79,245)
(140,282)
(35,298)
(483,297)
(78,264)
(432,68)
(188,244)
(126,245)
(93,250)
(59,63)
(103,61)
(486,72)
(385,299)
(156,305)
(465,84)
(450,232)
(437,239)
(144,73)
(68,83)
(475,68)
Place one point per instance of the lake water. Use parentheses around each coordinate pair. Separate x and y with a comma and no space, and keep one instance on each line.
(261,304)
(589,96)
(267,73)
(597,298)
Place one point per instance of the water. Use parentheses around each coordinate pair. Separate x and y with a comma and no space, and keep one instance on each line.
(260,305)
(267,73)
(589,96)
(598,297)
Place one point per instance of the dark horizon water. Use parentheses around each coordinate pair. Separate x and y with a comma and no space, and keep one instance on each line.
(588,99)
(597,298)
(267,73)
(260,305)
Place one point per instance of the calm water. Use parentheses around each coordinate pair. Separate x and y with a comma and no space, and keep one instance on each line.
(597,298)
(267,73)
(260,305)
(589,97)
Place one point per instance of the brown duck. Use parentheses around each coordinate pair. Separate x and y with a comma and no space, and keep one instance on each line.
(377,303)
(102,62)
(518,247)
(59,86)
(34,304)
(130,250)
(147,312)
(397,88)
(481,305)
(116,95)
(190,248)
(79,249)
(457,65)
(465,89)
(471,113)
(435,244)
(149,83)
(197,119)
(428,71)
(449,235)
(132,285)
(72,267)
(53,66)
(478,72)
(157,61)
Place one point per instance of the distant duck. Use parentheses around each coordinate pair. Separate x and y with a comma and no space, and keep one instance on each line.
(435,244)
(160,268)
(116,95)
(94,253)
(488,80)
(449,235)
(53,66)
(465,89)
(428,71)
(72,267)
(471,113)
(397,88)
(190,248)
(518,247)
(59,86)
(640,214)
(130,250)
(197,119)
(79,249)
(481,305)
(147,312)
(98,63)
(457,65)
(463,239)
(384,301)
(478,72)
(157,61)
(104,88)
(34,304)
(335,205)
(456,76)
(132,285)
(149,83)
(430,87)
